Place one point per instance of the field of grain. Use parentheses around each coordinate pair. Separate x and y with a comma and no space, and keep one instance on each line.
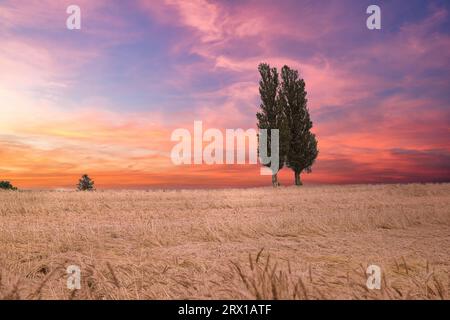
(286,243)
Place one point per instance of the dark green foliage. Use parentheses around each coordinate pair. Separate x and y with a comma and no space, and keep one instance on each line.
(85,183)
(284,107)
(271,115)
(6,185)
(302,143)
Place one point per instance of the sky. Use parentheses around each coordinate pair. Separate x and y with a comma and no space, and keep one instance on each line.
(105,99)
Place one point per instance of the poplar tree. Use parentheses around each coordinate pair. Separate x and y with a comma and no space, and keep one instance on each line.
(302,151)
(271,115)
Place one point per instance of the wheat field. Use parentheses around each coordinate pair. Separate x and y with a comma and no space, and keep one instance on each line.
(312,242)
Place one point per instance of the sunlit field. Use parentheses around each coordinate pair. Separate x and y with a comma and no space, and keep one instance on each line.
(310,242)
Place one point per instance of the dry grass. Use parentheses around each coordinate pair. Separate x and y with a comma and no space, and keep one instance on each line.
(288,243)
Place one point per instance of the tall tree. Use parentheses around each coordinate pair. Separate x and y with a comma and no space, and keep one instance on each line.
(302,150)
(271,115)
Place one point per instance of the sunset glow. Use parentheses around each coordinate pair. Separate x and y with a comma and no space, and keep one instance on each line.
(104,100)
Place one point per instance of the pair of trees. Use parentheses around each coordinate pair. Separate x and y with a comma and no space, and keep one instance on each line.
(284,107)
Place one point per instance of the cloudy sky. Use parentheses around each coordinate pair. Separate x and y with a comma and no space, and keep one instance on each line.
(104,100)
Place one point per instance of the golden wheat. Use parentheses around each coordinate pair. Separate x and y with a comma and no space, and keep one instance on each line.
(285,243)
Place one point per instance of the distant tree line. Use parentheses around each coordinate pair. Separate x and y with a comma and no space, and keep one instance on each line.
(6,185)
(84,184)
(284,107)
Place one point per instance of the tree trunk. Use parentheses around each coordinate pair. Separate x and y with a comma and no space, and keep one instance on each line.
(298,182)
(275,180)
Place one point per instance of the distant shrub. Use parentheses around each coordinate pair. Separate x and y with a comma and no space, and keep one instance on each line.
(85,183)
(6,185)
